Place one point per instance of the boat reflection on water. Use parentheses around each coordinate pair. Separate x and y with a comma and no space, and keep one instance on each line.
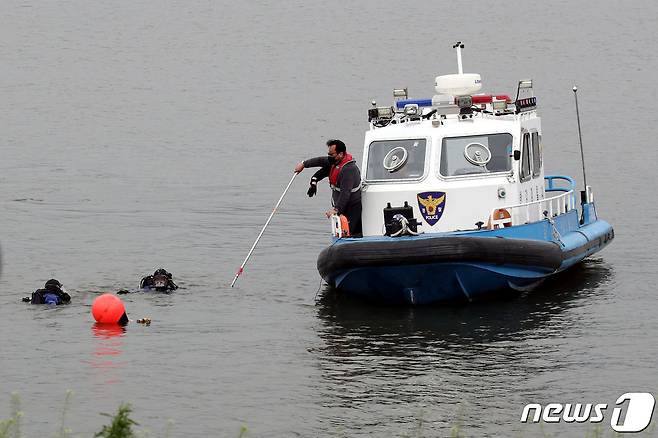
(397,362)
(349,321)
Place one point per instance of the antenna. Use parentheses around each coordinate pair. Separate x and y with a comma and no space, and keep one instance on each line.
(459,46)
(580,138)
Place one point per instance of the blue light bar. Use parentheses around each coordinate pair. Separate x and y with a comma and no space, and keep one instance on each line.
(420,102)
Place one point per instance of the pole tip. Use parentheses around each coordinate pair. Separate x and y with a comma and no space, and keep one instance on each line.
(575,88)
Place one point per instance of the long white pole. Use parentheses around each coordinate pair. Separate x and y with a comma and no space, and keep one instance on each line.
(237,274)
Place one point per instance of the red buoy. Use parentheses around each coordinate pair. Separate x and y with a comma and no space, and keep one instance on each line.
(109,309)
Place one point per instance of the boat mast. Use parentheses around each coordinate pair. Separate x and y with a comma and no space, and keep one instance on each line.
(459,46)
(580,138)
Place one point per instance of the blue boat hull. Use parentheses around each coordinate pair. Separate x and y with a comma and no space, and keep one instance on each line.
(425,284)
(482,270)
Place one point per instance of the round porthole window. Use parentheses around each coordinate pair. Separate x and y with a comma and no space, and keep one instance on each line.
(395,159)
(477,154)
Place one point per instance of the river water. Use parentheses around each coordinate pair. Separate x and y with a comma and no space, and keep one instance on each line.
(144,134)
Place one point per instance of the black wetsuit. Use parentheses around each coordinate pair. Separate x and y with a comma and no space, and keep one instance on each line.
(149,281)
(346,195)
(40,295)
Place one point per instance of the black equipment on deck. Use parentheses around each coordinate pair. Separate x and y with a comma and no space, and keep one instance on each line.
(393,226)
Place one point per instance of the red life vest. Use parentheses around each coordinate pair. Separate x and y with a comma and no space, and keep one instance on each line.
(336,168)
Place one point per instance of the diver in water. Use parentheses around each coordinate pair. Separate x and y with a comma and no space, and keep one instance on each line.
(52,293)
(161,281)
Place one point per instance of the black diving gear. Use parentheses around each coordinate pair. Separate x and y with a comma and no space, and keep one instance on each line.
(161,281)
(53,293)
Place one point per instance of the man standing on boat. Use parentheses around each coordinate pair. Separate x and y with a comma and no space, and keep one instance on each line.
(344,179)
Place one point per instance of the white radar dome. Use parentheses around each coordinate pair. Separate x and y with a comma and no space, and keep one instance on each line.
(463,84)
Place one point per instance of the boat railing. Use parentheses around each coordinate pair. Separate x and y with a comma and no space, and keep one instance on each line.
(552,187)
(533,211)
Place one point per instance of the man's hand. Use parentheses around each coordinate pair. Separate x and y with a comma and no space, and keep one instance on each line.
(331,212)
(314,187)
(299,167)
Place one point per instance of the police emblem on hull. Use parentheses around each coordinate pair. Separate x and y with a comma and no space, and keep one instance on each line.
(431,205)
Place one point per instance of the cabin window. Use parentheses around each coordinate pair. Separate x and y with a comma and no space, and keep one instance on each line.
(476,154)
(536,155)
(396,160)
(525,158)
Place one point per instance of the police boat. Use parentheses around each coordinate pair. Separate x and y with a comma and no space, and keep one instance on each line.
(455,201)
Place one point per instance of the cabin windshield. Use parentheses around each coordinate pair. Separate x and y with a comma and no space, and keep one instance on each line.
(396,160)
(476,154)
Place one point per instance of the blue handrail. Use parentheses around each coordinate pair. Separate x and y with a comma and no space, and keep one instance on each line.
(552,188)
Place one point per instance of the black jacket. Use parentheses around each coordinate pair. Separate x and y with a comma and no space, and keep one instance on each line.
(348,179)
(39,294)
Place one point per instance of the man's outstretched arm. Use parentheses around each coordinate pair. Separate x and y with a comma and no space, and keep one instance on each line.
(314,162)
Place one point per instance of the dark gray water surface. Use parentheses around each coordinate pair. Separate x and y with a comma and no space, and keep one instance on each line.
(143,134)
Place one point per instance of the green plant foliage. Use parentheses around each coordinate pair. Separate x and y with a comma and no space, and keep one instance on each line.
(63,431)
(121,425)
(11,428)
(169,430)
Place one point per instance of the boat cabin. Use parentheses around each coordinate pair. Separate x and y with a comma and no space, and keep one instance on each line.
(458,159)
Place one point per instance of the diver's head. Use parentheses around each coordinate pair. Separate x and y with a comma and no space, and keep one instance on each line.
(161,279)
(162,272)
(53,285)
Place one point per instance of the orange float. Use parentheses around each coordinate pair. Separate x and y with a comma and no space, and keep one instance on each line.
(500,217)
(109,309)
